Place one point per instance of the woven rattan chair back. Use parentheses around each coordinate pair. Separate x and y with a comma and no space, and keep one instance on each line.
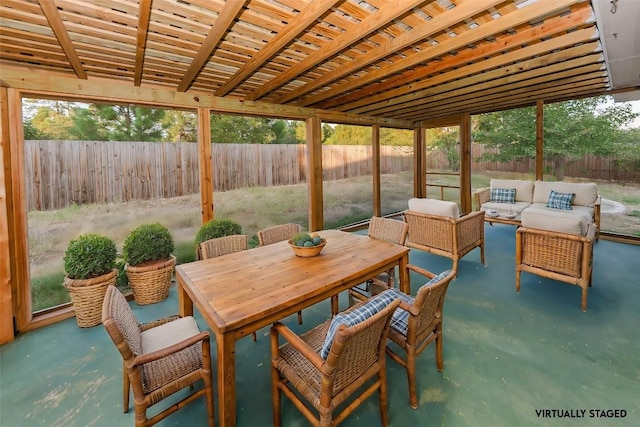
(277,233)
(357,355)
(424,327)
(445,236)
(223,245)
(393,231)
(162,372)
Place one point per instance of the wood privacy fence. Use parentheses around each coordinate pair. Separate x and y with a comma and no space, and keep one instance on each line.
(61,173)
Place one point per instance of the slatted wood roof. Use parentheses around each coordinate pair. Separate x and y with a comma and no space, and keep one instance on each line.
(402,59)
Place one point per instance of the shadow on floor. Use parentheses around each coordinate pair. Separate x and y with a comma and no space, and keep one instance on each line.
(507,356)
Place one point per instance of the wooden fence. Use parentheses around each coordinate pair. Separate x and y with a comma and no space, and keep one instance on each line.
(61,173)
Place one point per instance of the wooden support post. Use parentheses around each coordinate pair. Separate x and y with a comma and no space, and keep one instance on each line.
(314,173)
(419,163)
(539,140)
(6,308)
(465,163)
(205,164)
(375,169)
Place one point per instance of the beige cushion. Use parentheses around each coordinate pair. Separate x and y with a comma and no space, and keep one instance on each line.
(554,220)
(170,333)
(524,189)
(516,207)
(586,193)
(434,207)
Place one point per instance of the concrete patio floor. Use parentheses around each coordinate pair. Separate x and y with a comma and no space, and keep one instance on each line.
(510,359)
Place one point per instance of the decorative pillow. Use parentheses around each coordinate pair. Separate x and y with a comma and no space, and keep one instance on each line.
(400,319)
(353,317)
(560,200)
(503,195)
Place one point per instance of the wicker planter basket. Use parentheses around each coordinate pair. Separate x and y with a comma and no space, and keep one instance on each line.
(87,296)
(150,283)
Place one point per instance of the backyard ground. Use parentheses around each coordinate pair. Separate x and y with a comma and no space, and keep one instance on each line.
(346,201)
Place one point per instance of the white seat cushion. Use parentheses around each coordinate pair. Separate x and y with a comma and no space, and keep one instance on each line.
(434,207)
(516,207)
(170,333)
(555,220)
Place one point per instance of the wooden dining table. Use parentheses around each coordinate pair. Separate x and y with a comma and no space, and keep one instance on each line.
(242,292)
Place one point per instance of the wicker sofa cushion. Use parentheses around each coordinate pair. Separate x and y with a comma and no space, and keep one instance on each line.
(400,318)
(555,220)
(355,316)
(586,193)
(434,207)
(524,189)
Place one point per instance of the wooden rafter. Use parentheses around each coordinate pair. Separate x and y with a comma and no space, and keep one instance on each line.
(225,19)
(364,28)
(474,73)
(141,40)
(424,31)
(489,29)
(549,28)
(57,26)
(306,16)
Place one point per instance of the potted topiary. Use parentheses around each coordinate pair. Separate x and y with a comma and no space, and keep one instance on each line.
(214,229)
(89,262)
(149,263)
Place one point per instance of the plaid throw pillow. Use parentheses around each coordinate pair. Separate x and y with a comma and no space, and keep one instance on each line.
(400,319)
(353,317)
(560,200)
(503,195)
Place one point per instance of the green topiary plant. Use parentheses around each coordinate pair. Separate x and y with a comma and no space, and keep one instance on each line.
(147,243)
(89,255)
(217,228)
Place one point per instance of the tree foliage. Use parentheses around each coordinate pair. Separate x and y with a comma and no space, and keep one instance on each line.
(571,130)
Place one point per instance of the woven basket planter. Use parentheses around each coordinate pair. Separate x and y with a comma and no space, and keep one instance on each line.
(87,296)
(150,283)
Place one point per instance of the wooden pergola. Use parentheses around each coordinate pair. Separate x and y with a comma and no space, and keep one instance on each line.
(408,64)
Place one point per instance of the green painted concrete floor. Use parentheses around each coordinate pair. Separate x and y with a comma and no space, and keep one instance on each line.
(507,356)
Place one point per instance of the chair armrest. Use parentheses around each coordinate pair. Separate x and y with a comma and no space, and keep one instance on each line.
(477,216)
(481,195)
(159,354)
(153,324)
(296,342)
(426,273)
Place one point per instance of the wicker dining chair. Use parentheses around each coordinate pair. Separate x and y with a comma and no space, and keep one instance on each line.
(355,356)
(417,323)
(160,358)
(224,245)
(278,233)
(390,230)
(449,236)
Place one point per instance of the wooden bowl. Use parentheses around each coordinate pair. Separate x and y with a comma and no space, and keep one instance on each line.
(308,251)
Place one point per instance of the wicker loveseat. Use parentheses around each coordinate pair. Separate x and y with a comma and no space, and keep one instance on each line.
(518,196)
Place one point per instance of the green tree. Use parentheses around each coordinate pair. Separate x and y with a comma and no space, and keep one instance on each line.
(131,123)
(226,129)
(571,130)
(53,120)
(180,126)
(86,126)
(285,131)
(350,135)
(446,140)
